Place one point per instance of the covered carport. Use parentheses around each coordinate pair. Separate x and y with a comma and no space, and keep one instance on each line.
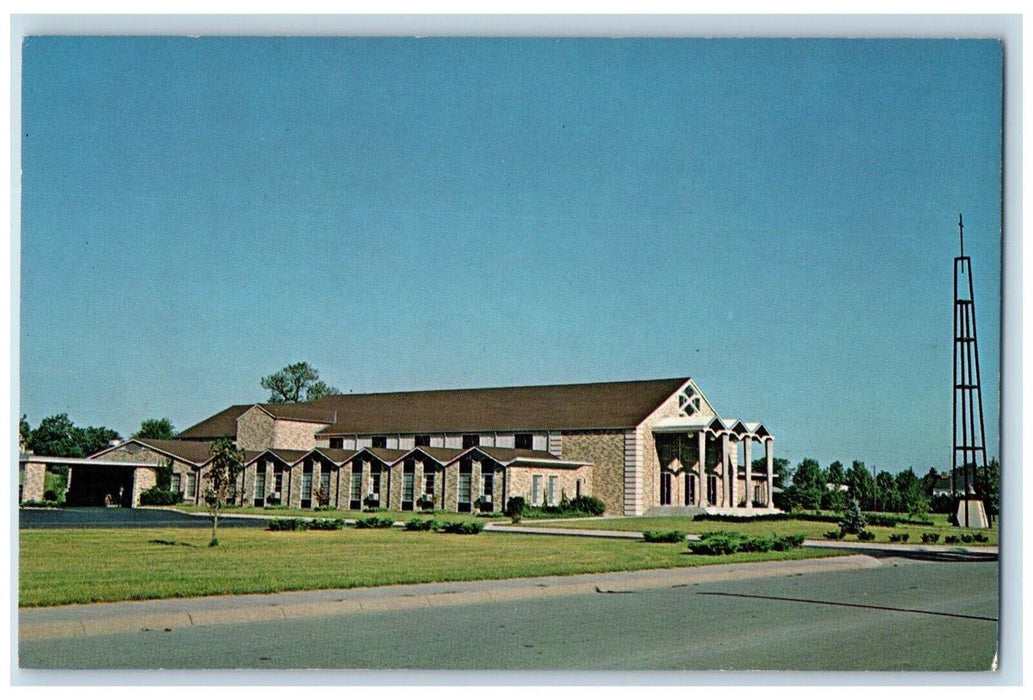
(91,482)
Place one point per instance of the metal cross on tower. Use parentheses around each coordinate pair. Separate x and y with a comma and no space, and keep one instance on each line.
(969,435)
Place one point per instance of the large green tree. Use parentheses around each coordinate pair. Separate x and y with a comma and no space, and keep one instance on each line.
(861,483)
(988,487)
(886,496)
(808,485)
(911,493)
(225,466)
(156,429)
(58,436)
(296,383)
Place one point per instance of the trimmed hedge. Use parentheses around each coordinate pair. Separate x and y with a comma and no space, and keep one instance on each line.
(288,525)
(461,528)
(326,524)
(420,524)
(155,496)
(663,536)
(718,543)
(374,522)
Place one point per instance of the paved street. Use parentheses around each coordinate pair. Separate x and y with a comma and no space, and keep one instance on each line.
(906,614)
(37,518)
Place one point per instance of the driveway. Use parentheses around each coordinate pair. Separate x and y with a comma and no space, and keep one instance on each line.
(39,518)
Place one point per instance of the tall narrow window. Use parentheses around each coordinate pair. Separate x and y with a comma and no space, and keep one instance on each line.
(174,484)
(488,488)
(191,491)
(355,492)
(306,485)
(536,490)
(408,483)
(553,486)
(428,481)
(465,484)
(324,482)
(260,488)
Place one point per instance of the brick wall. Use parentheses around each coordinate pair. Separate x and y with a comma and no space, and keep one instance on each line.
(605,450)
(256,430)
(292,434)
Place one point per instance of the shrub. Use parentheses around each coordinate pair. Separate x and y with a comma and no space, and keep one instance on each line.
(319,509)
(951,539)
(374,522)
(425,502)
(980,537)
(785,542)
(371,502)
(967,539)
(930,537)
(589,505)
(853,521)
(515,508)
(274,506)
(757,544)
(866,536)
(461,528)
(899,537)
(663,536)
(39,504)
(715,543)
(417,524)
(155,496)
(883,520)
(326,524)
(288,524)
(834,535)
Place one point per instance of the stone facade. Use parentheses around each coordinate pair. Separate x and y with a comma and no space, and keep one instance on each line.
(143,479)
(256,430)
(32,479)
(293,434)
(605,450)
(569,481)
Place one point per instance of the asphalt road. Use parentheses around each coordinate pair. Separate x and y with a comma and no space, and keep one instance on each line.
(907,615)
(38,518)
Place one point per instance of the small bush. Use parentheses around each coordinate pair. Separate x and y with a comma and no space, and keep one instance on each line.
(39,504)
(515,508)
(757,544)
(288,524)
(899,537)
(425,502)
(866,536)
(274,507)
(951,539)
(462,528)
(834,535)
(966,538)
(374,522)
(717,543)
(930,537)
(854,521)
(883,520)
(318,509)
(663,536)
(785,542)
(418,524)
(589,505)
(326,524)
(980,537)
(155,496)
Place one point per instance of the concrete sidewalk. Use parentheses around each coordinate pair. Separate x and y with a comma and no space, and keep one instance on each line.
(111,618)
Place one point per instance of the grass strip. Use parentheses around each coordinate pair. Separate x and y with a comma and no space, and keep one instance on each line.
(59,567)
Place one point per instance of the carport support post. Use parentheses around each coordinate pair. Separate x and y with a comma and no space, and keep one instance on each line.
(33,480)
(769,455)
(701,496)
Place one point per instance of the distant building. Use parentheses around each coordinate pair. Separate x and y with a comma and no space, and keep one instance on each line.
(640,446)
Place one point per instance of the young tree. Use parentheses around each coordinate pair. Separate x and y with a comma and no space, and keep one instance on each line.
(226,464)
(296,383)
(836,474)
(911,493)
(156,429)
(886,492)
(780,471)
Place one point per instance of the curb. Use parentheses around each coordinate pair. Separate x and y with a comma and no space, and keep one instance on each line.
(116,618)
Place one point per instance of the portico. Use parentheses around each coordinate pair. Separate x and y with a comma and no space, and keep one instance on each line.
(707,462)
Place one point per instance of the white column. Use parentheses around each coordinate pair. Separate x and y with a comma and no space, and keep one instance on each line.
(725,476)
(749,475)
(769,453)
(701,485)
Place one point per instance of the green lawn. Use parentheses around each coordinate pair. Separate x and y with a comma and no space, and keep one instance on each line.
(398,515)
(810,529)
(82,566)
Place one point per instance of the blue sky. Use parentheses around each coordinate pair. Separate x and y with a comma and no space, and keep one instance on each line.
(775,218)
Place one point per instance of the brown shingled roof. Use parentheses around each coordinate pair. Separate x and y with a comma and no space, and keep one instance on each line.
(299,411)
(222,424)
(553,407)
(195,452)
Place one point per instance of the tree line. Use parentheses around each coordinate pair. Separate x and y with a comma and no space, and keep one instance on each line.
(814,488)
